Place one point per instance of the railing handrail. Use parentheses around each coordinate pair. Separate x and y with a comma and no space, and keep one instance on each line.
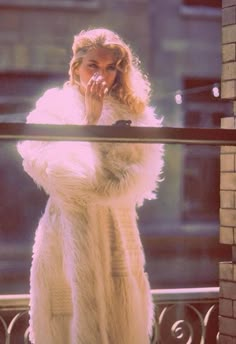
(100,133)
(14,301)
(210,294)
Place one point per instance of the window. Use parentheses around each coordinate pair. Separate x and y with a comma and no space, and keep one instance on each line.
(21,202)
(201,171)
(205,3)
(18,92)
(208,9)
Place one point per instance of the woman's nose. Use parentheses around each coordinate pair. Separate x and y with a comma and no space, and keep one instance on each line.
(102,72)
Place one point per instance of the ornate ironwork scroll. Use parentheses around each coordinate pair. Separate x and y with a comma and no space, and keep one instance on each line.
(182,317)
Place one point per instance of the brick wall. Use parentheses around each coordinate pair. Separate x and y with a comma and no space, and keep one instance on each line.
(227,302)
(38,38)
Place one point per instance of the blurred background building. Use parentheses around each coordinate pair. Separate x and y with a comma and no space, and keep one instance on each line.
(179,44)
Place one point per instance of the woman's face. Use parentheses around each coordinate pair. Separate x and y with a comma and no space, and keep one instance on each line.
(97,60)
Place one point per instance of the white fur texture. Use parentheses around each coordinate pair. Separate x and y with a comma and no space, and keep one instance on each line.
(88,284)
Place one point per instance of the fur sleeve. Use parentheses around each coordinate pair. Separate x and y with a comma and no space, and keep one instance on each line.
(80,171)
(130,171)
(63,169)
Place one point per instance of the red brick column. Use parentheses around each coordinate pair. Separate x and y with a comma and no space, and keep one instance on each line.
(227,302)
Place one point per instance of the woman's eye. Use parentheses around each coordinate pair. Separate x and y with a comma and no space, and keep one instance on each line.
(92,65)
(113,67)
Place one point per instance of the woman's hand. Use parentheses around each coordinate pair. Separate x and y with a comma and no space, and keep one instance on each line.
(94,95)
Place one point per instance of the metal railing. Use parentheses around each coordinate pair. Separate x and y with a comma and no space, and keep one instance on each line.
(14,326)
(182,316)
(186,316)
(49,132)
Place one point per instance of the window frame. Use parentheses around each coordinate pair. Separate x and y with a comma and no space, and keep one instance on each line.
(52,4)
(201,3)
(200,10)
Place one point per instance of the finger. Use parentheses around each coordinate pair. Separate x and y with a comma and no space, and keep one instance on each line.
(93,92)
(99,79)
(97,86)
(94,83)
(105,91)
(95,75)
(92,79)
(103,88)
(91,86)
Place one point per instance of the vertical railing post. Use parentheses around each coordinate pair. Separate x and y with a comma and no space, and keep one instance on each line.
(227,301)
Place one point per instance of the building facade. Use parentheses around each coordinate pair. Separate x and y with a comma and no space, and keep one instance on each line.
(179,44)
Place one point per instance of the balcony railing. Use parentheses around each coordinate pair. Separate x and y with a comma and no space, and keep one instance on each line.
(186,316)
(49,132)
(182,316)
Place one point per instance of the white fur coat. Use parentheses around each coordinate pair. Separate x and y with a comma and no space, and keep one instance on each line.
(88,284)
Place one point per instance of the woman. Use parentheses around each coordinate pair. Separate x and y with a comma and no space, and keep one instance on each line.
(88,284)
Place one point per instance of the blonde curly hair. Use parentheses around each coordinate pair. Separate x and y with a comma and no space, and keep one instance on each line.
(131,86)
